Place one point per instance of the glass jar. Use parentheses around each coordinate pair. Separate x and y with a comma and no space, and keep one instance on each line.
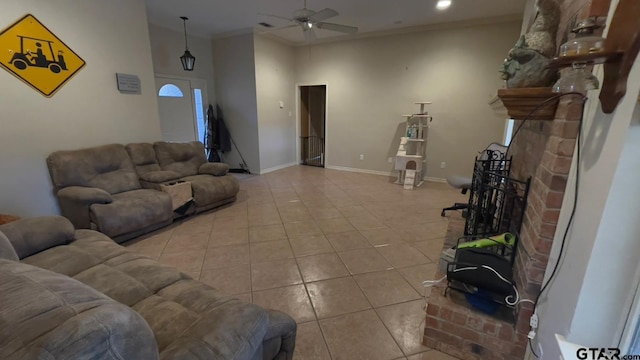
(584,42)
(582,45)
(577,79)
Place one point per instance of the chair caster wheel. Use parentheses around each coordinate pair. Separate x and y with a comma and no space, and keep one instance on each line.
(442,214)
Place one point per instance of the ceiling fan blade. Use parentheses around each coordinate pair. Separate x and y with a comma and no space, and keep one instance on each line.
(323,15)
(276,16)
(309,35)
(266,31)
(337,27)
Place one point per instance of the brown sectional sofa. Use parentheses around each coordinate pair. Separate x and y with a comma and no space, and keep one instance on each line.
(75,294)
(115,189)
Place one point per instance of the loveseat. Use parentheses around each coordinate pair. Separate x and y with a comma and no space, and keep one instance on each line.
(116,189)
(76,294)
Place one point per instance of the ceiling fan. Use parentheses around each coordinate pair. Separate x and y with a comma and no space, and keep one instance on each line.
(308,20)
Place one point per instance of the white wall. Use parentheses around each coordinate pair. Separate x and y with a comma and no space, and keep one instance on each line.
(373,81)
(235,87)
(111,36)
(614,259)
(589,298)
(166,48)
(275,73)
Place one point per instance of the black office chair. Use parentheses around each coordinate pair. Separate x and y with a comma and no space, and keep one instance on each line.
(464,183)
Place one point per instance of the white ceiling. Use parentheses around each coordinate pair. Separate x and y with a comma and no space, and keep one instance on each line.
(210,18)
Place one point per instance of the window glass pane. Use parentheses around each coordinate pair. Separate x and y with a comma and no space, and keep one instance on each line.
(170,90)
(508,133)
(199,113)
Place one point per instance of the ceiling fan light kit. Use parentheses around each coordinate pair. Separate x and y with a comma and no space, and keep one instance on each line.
(443,4)
(308,19)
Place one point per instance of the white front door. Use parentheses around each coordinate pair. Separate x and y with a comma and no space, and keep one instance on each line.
(175,104)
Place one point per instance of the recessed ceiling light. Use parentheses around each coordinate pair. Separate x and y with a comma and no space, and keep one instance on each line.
(443,4)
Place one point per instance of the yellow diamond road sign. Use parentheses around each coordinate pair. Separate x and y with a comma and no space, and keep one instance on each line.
(34,54)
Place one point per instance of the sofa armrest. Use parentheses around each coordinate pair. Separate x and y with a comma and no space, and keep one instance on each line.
(76,200)
(86,195)
(215,169)
(160,176)
(33,235)
(280,340)
(7,251)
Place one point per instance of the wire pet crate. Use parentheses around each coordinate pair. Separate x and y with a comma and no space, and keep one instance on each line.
(496,206)
(497,202)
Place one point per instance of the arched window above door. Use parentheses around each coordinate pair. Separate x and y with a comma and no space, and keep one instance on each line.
(170,90)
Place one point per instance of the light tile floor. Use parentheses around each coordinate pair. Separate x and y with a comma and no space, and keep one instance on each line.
(343,253)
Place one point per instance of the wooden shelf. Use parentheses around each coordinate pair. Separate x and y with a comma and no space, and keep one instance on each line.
(599,57)
(621,48)
(623,37)
(522,101)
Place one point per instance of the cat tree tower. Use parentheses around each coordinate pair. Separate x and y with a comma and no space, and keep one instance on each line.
(410,159)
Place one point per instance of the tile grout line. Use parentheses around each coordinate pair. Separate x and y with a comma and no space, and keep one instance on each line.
(379,318)
(313,308)
(317,193)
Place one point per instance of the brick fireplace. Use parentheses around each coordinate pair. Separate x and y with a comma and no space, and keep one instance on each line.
(544,151)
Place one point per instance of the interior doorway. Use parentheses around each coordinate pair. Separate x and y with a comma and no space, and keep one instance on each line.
(181,106)
(313,102)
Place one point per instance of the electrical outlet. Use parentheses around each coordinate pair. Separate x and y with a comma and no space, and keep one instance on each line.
(390,160)
(533,321)
(443,165)
(361,156)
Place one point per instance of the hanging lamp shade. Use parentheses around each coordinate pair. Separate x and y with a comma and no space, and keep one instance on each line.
(188,61)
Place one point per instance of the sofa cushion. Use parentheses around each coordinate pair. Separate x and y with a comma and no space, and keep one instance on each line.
(209,189)
(187,317)
(105,167)
(33,235)
(143,157)
(159,176)
(215,169)
(6,249)
(131,211)
(183,158)
(51,316)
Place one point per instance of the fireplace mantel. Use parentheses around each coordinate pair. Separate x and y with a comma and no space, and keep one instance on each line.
(520,102)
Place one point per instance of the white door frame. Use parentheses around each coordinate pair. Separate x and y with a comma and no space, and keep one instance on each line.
(203,88)
(326,119)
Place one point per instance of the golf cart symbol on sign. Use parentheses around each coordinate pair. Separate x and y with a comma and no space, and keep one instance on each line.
(23,59)
(36,56)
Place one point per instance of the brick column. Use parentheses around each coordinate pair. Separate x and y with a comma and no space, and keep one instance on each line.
(542,150)
(548,184)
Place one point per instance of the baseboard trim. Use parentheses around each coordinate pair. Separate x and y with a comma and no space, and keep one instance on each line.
(364,171)
(276,168)
(435,179)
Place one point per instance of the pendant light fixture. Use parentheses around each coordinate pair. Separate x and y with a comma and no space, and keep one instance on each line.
(188,60)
